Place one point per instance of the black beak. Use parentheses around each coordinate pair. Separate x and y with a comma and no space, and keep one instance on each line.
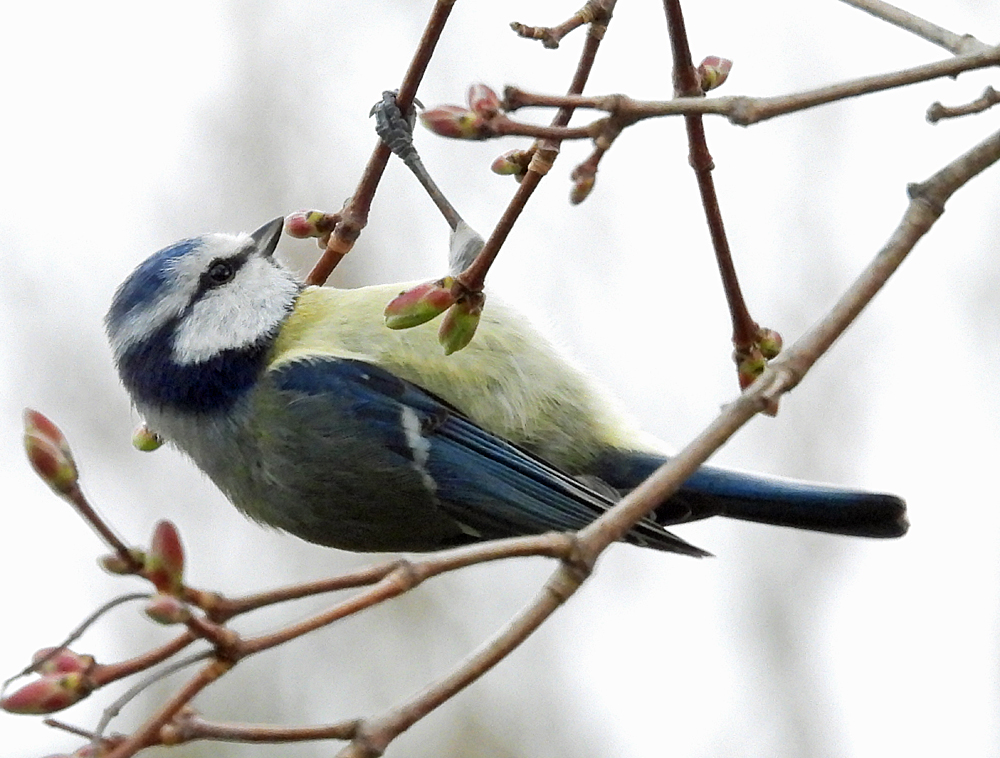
(265,239)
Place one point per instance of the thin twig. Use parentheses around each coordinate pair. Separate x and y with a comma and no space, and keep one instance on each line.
(474,277)
(69,728)
(985,101)
(139,687)
(79,501)
(376,734)
(99,746)
(74,635)
(782,375)
(103,674)
(743,110)
(687,84)
(188,727)
(406,575)
(354,216)
(959,44)
(551,36)
(223,609)
(148,734)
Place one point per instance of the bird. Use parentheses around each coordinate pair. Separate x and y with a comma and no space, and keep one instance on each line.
(312,417)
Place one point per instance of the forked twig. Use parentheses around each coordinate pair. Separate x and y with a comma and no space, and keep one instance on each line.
(926,205)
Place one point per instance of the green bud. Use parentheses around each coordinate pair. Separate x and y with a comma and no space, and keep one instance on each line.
(146,440)
(459,324)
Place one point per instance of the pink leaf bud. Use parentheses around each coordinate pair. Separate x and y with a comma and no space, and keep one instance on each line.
(114,563)
(419,304)
(483,100)
(167,609)
(47,694)
(770,343)
(145,439)
(164,565)
(304,224)
(713,71)
(750,366)
(49,453)
(513,162)
(53,660)
(459,324)
(455,121)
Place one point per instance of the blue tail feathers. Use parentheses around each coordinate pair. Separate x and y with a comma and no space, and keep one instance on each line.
(717,492)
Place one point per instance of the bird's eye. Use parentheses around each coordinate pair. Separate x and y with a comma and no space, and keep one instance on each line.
(220,272)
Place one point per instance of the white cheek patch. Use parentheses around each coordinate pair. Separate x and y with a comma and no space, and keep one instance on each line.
(173,298)
(237,314)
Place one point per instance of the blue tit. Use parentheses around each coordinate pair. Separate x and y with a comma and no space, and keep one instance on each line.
(313,417)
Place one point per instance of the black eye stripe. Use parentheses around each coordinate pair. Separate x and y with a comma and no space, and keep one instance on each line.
(218,273)
(221,271)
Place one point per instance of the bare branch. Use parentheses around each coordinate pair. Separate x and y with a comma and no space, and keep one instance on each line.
(110,672)
(551,36)
(376,734)
(474,277)
(959,44)
(408,574)
(74,635)
(687,83)
(189,726)
(985,101)
(784,373)
(743,110)
(136,689)
(354,216)
(149,733)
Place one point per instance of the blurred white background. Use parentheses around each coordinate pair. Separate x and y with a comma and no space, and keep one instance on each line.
(126,126)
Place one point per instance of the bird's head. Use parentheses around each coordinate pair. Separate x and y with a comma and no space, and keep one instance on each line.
(191,327)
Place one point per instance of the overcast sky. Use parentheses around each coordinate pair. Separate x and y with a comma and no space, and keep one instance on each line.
(127,126)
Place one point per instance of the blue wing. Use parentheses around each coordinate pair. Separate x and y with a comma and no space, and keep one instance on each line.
(717,492)
(488,486)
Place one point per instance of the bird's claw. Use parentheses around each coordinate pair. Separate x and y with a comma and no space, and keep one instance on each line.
(394,128)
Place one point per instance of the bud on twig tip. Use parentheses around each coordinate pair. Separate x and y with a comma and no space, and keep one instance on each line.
(47,694)
(770,343)
(483,100)
(167,609)
(713,72)
(60,660)
(459,324)
(115,563)
(49,453)
(419,304)
(164,563)
(305,224)
(582,188)
(455,121)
